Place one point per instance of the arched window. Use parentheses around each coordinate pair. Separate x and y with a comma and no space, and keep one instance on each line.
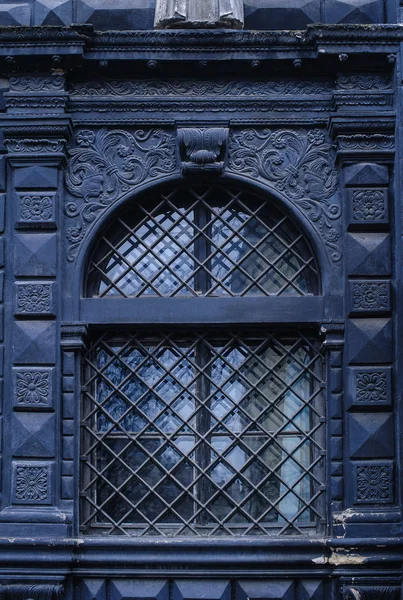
(210,424)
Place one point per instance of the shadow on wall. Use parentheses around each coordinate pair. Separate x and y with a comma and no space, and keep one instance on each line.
(139,14)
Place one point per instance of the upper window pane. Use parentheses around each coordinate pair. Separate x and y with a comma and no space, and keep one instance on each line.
(203,241)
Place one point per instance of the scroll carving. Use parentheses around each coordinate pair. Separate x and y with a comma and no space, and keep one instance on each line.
(300,165)
(107,164)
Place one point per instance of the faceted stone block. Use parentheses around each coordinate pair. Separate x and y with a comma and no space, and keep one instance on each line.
(264,590)
(35,255)
(119,15)
(371,434)
(33,388)
(369,341)
(368,254)
(366,174)
(354,11)
(33,435)
(35,178)
(373,482)
(93,589)
(31,482)
(53,12)
(139,589)
(311,590)
(34,342)
(17,13)
(192,590)
(281,14)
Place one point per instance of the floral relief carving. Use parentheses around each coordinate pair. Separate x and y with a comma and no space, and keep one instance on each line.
(107,164)
(369,205)
(36,208)
(33,298)
(31,483)
(300,165)
(32,387)
(371,387)
(37,84)
(373,482)
(371,296)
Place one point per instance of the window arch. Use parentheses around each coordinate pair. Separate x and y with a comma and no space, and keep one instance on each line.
(212,429)
(204,240)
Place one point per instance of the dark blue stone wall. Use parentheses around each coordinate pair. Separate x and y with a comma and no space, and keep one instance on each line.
(139,14)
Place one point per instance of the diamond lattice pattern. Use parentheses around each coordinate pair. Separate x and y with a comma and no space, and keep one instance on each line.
(202,434)
(203,241)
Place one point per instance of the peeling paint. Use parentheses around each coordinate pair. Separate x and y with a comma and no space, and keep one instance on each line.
(337,558)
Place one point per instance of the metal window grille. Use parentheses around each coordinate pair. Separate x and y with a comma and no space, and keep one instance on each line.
(202,434)
(210,241)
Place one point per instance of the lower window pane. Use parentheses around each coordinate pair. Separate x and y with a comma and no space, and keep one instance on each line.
(202,434)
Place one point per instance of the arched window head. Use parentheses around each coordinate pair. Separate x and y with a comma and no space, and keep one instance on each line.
(203,241)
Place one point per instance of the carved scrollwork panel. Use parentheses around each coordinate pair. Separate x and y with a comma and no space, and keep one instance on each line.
(107,164)
(300,165)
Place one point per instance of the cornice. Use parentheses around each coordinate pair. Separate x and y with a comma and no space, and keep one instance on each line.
(176,44)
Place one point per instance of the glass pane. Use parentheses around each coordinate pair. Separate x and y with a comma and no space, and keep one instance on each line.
(203,241)
(195,434)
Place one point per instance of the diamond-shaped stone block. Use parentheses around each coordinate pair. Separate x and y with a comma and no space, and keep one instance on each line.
(371,434)
(33,435)
(366,174)
(369,341)
(53,12)
(368,254)
(34,342)
(311,590)
(354,11)
(139,589)
(35,178)
(281,14)
(16,13)
(93,589)
(265,590)
(192,590)
(35,255)
(104,15)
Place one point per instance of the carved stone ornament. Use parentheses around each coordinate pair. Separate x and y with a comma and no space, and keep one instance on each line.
(25,591)
(300,165)
(203,149)
(107,164)
(199,13)
(373,593)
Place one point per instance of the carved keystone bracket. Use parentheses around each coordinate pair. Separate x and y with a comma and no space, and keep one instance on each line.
(203,149)
(197,14)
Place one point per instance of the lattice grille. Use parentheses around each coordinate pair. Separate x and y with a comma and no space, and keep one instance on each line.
(202,434)
(203,241)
